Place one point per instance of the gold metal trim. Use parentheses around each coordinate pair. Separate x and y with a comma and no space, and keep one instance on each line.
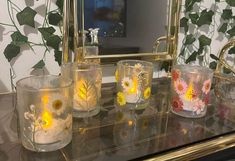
(198,150)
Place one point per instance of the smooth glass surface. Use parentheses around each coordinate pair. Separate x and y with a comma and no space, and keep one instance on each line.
(117,135)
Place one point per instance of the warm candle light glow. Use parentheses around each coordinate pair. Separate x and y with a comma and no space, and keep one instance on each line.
(47,119)
(133,90)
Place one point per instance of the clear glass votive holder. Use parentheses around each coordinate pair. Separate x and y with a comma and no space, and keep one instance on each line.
(134,80)
(190,90)
(87,90)
(44,105)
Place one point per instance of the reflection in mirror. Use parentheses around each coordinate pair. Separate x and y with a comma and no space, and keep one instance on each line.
(121,26)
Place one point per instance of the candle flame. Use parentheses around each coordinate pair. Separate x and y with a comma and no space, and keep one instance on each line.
(47,119)
(134,88)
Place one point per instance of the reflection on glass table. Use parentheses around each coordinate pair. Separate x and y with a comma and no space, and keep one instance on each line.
(119,134)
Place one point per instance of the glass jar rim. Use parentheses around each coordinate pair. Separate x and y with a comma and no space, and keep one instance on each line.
(187,66)
(19,83)
(146,64)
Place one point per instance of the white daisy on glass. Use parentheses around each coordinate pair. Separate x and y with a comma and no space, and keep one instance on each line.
(127,83)
(57,104)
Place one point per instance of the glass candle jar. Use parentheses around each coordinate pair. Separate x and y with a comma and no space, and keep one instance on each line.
(134,79)
(44,105)
(87,89)
(190,90)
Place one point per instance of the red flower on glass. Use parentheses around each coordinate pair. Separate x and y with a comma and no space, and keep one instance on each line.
(177,104)
(175,74)
(206,100)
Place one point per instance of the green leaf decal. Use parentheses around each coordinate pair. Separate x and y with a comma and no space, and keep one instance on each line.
(204,41)
(58,56)
(54,42)
(11,51)
(231,2)
(227,14)
(54,18)
(26,17)
(231,32)
(184,24)
(39,65)
(232,50)
(189,39)
(18,39)
(46,32)
(194,18)
(213,65)
(189,4)
(205,18)
(223,28)
(214,57)
(60,4)
(192,57)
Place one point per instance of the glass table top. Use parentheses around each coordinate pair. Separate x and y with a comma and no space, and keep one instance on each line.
(121,134)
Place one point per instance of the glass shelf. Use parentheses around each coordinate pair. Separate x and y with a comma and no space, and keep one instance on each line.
(119,134)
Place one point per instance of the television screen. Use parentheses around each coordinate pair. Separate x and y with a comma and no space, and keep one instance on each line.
(107,15)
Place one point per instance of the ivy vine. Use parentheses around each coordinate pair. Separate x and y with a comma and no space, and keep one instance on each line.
(197,16)
(47,30)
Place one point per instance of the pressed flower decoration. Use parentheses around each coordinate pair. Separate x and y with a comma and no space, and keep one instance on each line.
(206,86)
(190,91)
(134,83)
(121,99)
(147,93)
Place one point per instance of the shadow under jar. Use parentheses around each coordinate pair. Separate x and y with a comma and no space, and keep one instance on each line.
(190,90)
(44,105)
(134,80)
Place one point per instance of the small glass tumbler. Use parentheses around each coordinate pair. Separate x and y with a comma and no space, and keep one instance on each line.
(87,90)
(44,105)
(190,90)
(134,80)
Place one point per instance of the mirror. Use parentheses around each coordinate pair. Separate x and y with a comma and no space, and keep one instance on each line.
(119,27)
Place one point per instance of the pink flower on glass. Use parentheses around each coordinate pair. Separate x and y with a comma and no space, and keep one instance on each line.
(198,106)
(177,104)
(206,86)
(175,74)
(180,87)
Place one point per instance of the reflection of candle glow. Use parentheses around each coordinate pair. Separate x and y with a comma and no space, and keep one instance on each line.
(47,119)
(130,122)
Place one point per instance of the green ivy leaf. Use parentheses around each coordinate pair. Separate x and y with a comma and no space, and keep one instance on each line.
(194,18)
(192,57)
(182,53)
(46,32)
(227,14)
(54,18)
(184,24)
(26,17)
(204,41)
(189,4)
(231,51)
(205,18)
(18,39)
(217,0)
(231,2)
(223,28)
(58,56)
(60,5)
(189,39)
(226,70)
(214,57)
(54,42)
(231,32)
(11,51)
(39,65)
(213,65)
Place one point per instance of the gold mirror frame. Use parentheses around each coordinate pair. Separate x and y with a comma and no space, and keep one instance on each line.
(71,11)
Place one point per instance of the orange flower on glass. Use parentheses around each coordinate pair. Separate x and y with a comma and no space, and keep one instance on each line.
(206,86)
(175,75)
(180,87)
(177,104)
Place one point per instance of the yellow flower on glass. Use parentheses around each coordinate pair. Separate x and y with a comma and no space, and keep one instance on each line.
(121,99)
(116,75)
(147,93)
